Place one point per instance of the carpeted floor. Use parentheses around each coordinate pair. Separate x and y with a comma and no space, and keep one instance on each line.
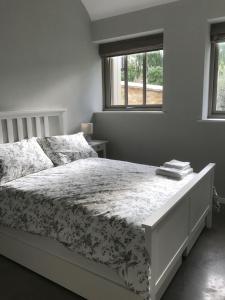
(201,277)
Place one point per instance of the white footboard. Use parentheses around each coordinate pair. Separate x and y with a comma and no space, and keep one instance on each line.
(172,231)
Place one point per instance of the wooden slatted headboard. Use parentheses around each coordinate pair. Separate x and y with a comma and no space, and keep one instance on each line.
(15,126)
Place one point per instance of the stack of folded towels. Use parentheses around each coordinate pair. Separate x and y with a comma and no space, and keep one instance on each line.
(175,169)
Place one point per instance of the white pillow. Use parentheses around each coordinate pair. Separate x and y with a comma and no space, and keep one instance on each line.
(20,159)
(66,148)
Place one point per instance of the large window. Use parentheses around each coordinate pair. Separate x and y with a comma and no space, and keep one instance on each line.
(133,74)
(217,80)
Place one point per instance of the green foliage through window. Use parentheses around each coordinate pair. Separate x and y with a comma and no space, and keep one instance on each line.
(220,106)
(154,67)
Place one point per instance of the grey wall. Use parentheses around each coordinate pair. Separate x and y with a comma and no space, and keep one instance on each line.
(47,58)
(153,138)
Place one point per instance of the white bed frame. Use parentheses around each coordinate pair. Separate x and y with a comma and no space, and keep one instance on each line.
(170,232)
(15,126)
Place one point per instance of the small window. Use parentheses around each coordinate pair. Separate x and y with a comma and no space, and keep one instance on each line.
(217,73)
(133,74)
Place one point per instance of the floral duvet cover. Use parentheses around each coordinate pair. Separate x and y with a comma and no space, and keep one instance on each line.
(95,207)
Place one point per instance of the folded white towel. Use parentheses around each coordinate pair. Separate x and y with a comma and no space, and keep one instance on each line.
(176,164)
(173,173)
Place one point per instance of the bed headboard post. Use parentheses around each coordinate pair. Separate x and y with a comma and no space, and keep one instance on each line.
(62,120)
(15,126)
(1,133)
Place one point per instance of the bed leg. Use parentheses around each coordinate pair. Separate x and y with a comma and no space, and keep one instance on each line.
(186,253)
(153,297)
(209,220)
(210,212)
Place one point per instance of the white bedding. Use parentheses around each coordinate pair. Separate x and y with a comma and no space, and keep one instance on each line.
(95,207)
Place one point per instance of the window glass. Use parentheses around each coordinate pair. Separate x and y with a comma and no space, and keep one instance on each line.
(220,99)
(135,79)
(117,81)
(154,74)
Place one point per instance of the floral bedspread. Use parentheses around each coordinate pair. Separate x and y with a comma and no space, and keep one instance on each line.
(95,207)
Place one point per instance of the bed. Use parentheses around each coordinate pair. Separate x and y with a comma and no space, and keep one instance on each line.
(153,221)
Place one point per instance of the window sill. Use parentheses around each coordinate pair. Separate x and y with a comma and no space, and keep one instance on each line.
(154,112)
(212,120)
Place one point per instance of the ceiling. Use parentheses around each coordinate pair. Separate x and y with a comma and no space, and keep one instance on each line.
(99,9)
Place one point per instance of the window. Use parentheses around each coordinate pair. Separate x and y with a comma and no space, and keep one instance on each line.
(217,73)
(133,74)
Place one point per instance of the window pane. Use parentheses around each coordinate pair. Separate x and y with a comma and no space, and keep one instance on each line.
(117,80)
(135,79)
(220,104)
(154,74)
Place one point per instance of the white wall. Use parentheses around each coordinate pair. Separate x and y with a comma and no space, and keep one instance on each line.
(153,137)
(47,58)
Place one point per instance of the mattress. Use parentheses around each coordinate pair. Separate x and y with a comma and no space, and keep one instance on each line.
(95,208)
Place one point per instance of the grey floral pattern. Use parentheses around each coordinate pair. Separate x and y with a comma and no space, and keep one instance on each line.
(20,159)
(95,207)
(66,148)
